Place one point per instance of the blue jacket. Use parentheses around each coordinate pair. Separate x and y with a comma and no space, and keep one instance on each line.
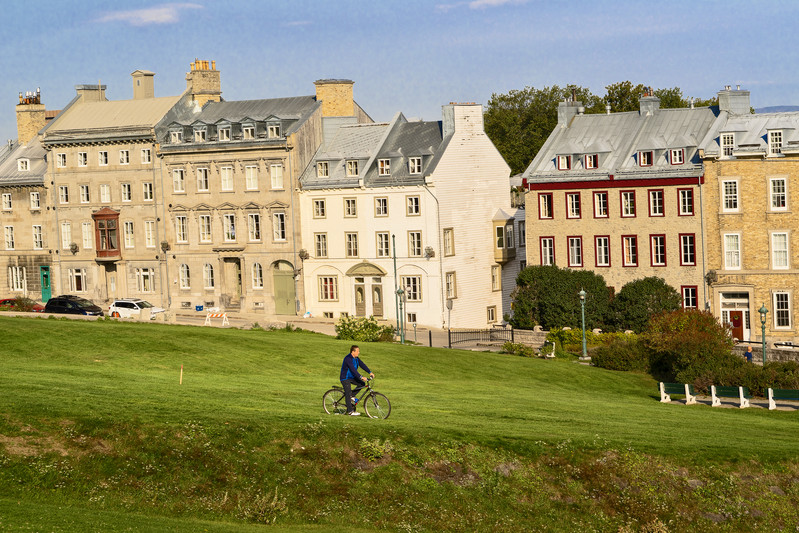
(349,368)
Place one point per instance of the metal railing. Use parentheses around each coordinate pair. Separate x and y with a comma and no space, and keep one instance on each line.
(479,335)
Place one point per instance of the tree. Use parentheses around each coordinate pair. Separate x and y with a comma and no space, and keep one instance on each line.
(548,296)
(624,96)
(640,300)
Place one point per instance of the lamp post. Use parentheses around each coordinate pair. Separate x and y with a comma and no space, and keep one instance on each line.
(582,305)
(401,317)
(763,311)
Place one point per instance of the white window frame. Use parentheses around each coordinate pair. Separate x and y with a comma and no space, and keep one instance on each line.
(178,180)
(328,288)
(105,193)
(630,255)
(208,276)
(687,249)
(352,168)
(9,237)
(175,136)
(273,131)
(450,285)
(181,229)
(148,193)
(646,158)
(38,237)
(656,203)
(226,178)
(384,167)
(248,132)
(601,204)
(414,165)
(415,246)
(381,206)
(87,234)
(229,227)
(85,197)
(146,156)
(61,160)
(127,192)
(732,254)
(780,251)
(17,278)
(203,181)
(546,208)
(319,208)
(690,294)
(23,165)
(413,206)
(547,245)
(149,233)
(412,285)
(496,278)
(727,144)
(573,205)
(251,177)
(124,157)
(575,251)
(145,279)
(185,276)
(257,276)
(602,250)
(322,169)
(383,244)
(591,161)
(351,244)
(276,175)
(66,234)
(128,234)
(449,242)
(102,158)
(206,228)
(564,162)
(350,207)
(775,140)
(320,244)
(35,200)
(783,315)
(628,207)
(78,281)
(83,159)
(223,134)
(686,195)
(778,199)
(254,227)
(657,250)
(7,201)
(63,194)
(200,135)
(677,156)
(730,196)
(279,226)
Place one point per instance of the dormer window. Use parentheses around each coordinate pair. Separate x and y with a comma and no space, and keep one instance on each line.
(384,167)
(727,142)
(415,165)
(248,132)
(591,161)
(273,131)
(322,169)
(224,134)
(175,136)
(23,165)
(775,142)
(200,135)
(645,159)
(564,162)
(677,156)
(352,168)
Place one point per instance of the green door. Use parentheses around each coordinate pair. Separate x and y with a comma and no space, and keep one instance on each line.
(44,277)
(284,290)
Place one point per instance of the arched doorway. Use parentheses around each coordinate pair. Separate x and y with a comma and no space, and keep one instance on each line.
(283,283)
(368,273)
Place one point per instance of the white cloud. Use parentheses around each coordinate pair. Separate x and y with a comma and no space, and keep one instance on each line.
(163,14)
(482,4)
(297,23)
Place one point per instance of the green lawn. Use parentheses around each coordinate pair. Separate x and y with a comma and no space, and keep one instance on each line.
(93,419)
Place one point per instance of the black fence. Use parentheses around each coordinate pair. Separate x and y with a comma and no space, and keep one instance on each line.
(480,335)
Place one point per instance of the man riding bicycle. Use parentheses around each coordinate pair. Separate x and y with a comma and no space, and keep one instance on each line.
(350,376)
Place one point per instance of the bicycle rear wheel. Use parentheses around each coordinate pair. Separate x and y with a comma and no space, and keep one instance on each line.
(334,403)
(377,405)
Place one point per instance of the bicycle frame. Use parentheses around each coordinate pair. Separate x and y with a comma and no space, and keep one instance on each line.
(361,394)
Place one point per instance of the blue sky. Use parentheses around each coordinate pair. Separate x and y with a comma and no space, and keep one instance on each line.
(411,56)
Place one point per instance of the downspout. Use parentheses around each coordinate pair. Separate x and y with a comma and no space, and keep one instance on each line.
(57,230)
(441,280)
(165,285)
(293,231)
(704,252)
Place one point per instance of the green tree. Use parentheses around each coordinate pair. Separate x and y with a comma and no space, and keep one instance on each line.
(623,96)
(640,300)
(548,296)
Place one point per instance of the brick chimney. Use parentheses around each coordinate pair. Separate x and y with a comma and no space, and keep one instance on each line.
(30,116)
(143,86)
(204,82)
(649,103)
(465,118)
(734,101)
(336,97)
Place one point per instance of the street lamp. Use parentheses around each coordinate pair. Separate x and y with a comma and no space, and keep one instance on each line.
(582,305)
(763,311)
(401,317)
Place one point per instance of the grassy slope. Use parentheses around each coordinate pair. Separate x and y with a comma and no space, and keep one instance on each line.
(116,380)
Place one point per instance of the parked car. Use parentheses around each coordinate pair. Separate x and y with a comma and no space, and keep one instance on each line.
(132,307)
(11,303)
(72,305)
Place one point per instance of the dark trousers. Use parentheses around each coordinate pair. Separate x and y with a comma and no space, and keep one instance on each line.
(349,392)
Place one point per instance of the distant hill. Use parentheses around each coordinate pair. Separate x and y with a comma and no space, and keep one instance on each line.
(777,108)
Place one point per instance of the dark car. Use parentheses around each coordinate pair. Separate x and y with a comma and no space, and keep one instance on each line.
(12,304)
(72,305)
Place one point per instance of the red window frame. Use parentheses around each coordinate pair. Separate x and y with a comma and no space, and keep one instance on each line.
(696,295)
(568,159)
(596,250)
(624,251)
(591,161)
(662,199)
(679,202)
(551,206)
(671,156)
(541,249)
(607,204)
(569,250)
(621,204)
(652,238)
(651,158)
(682,255)
(579,205)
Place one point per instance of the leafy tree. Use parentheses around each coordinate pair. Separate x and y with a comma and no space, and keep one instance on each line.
(548,296)
(640,300)
(624,96)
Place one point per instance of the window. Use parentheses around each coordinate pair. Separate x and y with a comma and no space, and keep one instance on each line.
(350,207)
(61,160)
(181,228)
(522,234)
(449,241)
(413,288)
(202,179)
(730,196)
(279,226)
(23,165)
(732,251)
(500,242)
(384,167)
(510,241)
(415,165)
(564,162)
(83,159)
(320,244)
(450,286)
(124,157)
(273,131)
(775,142)
(223,134)
(257,276)
(351,242)
(251,177)
(102,158)
(779,194)
(645,158)
(16,278)
(6,201)
(686,198)
(226,177)
(322,169)
(602,250)
(689,296)
(413,206)
(591,161)
(319,208)
(627,203)
(414,243)
(185,276)
(727,144)
(381,207)
(208,276)
(276,172)
(248,132)
(38,240)
(575,251)
(687,249)
(107,235)
(127,229)
(545,205)
(677,156)
(573,205)
(656,203)
(147,188)
(126,192)
(782,310)
(105,193)
(328,288)
(199,135)
(149,233)
(383,244)
(547,251)
(175,136)
(658,249)
(35,200)
(491,314)
(600,204)
(779,250)
(254,227)
(87,235)
(146,156)
(66,234)
(9,235)
(229,225)
(630,245)
(352,168)
(496,278)
(205,228)
(77,280)
(145,279)
(178,180)
(84,194)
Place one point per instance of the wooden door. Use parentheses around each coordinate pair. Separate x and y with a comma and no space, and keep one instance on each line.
(283,279)
(737,323)
(377,300)
(360,300)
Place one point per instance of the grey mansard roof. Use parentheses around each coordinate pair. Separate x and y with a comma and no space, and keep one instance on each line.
(750,133)
(34,152)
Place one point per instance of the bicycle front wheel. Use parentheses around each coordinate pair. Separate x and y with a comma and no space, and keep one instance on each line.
(377,405)
(334,403)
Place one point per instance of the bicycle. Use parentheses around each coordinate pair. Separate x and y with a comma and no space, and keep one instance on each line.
(375,403)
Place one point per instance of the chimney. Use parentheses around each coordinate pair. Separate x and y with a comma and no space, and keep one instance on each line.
(203,82)
(649,103)
(567,110)
(464,118)
(336,97)
(143,86)
(91,93)
(735,102)
(30,116)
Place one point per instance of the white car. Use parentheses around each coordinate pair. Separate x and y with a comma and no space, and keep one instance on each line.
(132,307)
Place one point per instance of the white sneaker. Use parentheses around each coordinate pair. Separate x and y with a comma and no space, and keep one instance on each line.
(354,413)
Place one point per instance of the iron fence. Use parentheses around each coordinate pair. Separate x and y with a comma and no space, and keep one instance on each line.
(480,335)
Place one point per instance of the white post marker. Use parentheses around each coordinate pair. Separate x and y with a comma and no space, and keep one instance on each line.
(181,375)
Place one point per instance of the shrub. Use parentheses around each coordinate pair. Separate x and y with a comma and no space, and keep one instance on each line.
(522,350)
(363,329)
(640,300)
(622,354)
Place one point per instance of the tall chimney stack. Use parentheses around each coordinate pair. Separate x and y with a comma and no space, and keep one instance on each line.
(30,116)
